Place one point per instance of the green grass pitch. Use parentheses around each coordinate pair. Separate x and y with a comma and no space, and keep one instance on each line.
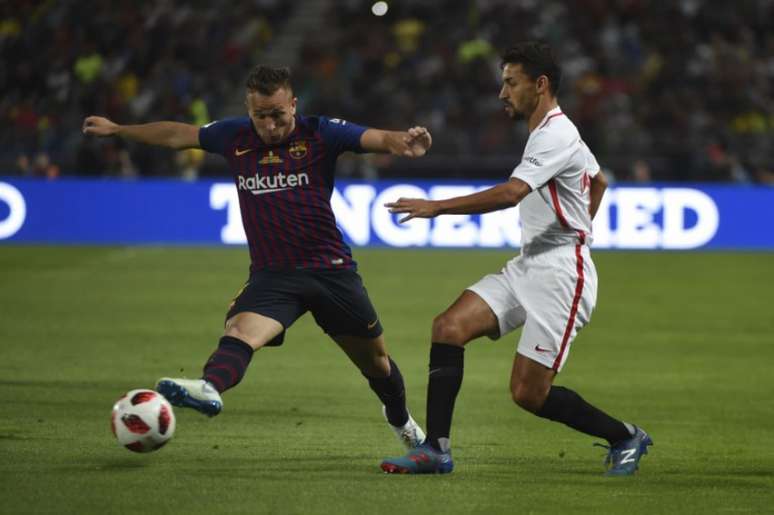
(680,343)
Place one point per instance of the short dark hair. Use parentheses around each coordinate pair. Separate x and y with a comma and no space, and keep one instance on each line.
(267,80)
(537,59)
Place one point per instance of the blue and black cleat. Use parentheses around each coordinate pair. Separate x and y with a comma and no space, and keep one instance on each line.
(623,458)
(423,459)
(191,393)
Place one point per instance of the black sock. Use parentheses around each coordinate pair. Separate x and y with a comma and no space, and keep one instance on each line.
(228,363)
(445,378)
(565,406)
(392,393)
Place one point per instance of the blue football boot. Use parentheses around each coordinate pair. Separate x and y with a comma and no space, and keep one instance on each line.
(191,393)
(423,459)
(623,458)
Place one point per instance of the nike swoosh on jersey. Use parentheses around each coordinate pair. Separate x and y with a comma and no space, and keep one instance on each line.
(540,349)
(238,152)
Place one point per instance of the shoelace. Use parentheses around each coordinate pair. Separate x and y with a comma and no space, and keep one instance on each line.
(408,435)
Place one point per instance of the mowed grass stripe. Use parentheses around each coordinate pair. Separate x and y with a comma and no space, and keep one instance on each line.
(680,343)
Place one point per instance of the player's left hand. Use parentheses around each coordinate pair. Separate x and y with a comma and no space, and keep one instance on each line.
(415,207)
(418,142)
(99,126)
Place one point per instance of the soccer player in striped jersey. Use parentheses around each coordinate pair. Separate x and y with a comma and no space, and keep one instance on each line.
(283,166)
(550,289)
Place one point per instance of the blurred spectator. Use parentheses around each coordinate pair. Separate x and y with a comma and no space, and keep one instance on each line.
(131,61)
(764,176)
(641,171)
(652,85)
(680,91)
(40,166)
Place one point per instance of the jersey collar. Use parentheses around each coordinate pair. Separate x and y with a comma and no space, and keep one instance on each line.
(553,113)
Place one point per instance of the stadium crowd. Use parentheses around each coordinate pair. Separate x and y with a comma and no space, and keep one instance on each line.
(662,91)
(131,61)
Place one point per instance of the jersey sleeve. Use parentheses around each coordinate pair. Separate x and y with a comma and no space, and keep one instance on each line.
(341,135)
(544,157)
(215,136)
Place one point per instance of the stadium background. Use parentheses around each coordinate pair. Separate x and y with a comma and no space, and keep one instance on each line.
(678,90)
(670,96)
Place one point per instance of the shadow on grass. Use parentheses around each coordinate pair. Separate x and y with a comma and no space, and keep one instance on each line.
(333,467)
(114,465)
(64,384)
(737,478)
(13,436)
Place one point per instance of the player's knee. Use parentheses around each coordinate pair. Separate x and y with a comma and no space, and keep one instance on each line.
(448,329)
(235,331)
(527,397)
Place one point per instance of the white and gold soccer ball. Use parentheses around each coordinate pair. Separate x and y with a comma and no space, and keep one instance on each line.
(142,420)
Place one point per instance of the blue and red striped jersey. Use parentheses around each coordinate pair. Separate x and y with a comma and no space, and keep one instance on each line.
(285,189)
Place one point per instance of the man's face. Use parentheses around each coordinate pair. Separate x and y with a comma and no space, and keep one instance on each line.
(272,115)
(519,92)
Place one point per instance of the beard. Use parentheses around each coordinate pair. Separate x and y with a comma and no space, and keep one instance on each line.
(512,113)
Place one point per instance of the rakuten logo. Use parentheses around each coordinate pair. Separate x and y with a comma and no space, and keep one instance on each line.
(259,185)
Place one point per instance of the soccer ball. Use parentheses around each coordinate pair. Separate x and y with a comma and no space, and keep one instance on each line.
(142,421)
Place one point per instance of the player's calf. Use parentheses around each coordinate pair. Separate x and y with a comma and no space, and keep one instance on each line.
(226,367)
(566,406)
(392,392)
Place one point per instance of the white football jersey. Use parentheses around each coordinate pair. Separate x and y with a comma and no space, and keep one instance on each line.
(558,166)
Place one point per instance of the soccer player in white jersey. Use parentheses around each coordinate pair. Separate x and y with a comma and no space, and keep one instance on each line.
(550,289)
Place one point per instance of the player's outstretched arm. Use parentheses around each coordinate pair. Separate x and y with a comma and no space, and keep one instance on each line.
(414,142)
(166,134)
(502,196)
(596,191)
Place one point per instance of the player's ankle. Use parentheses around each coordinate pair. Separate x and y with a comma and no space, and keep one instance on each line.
(438,444)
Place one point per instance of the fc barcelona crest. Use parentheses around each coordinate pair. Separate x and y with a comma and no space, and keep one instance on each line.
(297,150)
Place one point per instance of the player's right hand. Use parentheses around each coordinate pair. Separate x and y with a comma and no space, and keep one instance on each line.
(99,126)
(415,207)
(418,142)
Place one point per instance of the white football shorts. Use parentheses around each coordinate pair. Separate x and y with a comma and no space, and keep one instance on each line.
(551,294)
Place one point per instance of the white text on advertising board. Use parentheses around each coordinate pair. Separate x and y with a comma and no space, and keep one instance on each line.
(17,210)
(629,218)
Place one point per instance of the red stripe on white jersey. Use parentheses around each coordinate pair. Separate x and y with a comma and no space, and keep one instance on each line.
(557,205)
(575,301)
(560,213)
(579,268)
